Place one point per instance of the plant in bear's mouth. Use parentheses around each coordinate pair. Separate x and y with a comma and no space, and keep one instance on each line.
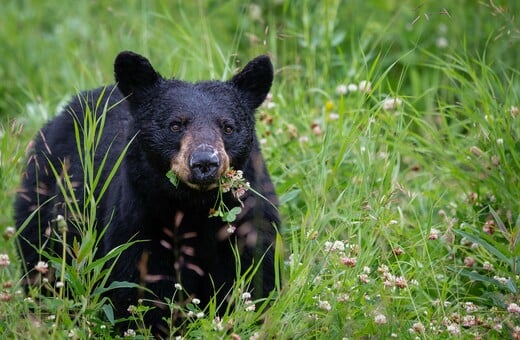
(234,181)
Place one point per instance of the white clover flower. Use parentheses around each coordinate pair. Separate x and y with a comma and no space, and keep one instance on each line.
(434,234)
(341,89)
(4,260)
(246,296)
(365,86)
(195,301)
(178,286)
(42,267)
(513,308)
(325,305)
(441,42)
(380,319)
(217,324)
(250,306)
(453,329)
(130,333)
(364,278)
(352,87)
(391,104)
(200,315)
(417,327)
(9,232)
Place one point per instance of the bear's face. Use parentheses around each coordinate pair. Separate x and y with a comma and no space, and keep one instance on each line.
(196,130)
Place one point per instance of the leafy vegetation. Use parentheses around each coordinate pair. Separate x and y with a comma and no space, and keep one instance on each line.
(392,134)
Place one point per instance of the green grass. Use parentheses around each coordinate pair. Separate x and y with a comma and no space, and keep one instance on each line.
(397,221)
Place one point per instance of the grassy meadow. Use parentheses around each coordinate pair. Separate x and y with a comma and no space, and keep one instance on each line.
(392,134)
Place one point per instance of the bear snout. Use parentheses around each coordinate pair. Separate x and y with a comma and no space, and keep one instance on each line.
(204,163)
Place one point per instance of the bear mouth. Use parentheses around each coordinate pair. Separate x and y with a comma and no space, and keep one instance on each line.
(203,186)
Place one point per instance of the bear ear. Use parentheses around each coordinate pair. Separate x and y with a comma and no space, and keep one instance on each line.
(255,80)
(134,74)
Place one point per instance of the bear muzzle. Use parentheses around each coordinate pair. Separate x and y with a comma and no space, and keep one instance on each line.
(204,163)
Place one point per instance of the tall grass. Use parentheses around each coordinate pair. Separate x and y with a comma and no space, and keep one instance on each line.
(400,202)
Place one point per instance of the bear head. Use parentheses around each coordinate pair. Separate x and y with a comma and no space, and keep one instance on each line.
(196,130)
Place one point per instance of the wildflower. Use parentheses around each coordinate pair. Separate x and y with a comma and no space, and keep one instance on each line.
(333,116)
(190,314)
(270,105)
(514,111)
(516,332)
(434,234)
(329,105)
(383,268)
(316,129)
(380,319)
(250,306)
(61,223)
(441,42)
(365,86)
(60,284)
(367,270)
(513,308)
(469,320)
(130,333)
(42,267)
(502,280)
(195,301)
(453,329)
(200,315)
(178,286)
(390,104)
(4,260)
(231,229)
(470,307)
(255,336)
(343,297)
(401,282)
(417,327)
(217,324)
(349,261)
(336,246)
(489,227)
(397,251)
(131,309)
(303,139)
(5,297)
(364,278)
(469,261)
(500,141)
(341,89)
(487,266)
(352,87)
(325,305)
(73,333)
(9,233)
(246,296)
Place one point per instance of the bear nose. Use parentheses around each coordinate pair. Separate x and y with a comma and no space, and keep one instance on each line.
(204,163)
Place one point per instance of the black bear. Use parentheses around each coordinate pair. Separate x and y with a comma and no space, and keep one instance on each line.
(197,133)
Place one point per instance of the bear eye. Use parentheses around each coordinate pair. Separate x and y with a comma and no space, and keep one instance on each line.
(228,129)
(176,126)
